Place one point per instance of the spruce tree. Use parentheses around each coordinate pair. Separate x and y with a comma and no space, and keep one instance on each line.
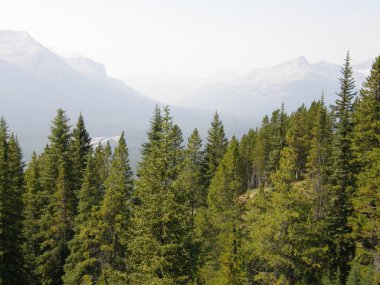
(161,239)
(190,176)
(247,150)
(154,131)
(366,146)
(276,138)
(214,150)
(11,208)
(298,138)
(34,204)
(342,174)
(56,223)
(261,154)
(276,228)
(321,198)
(82,262)
(79,149)
(115,215)
(225,263)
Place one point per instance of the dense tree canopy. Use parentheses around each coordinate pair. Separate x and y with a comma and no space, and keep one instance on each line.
(295,201)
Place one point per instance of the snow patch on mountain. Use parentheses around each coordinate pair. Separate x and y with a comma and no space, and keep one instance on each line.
(104,140)
(87,67)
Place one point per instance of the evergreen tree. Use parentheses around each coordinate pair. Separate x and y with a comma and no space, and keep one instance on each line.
(34,204)
(154,131)
(318,172)
(82,262)
(79,149)
(161,242)
(276,230)
(214,150)
(247,149)
(297,137)
(11,207)
(276,138)
(342,174)
(366,146)
(115,215)
(261,154)
(190,176)
(225,264)
(56,223)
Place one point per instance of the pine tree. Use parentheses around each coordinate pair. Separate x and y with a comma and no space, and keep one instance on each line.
(161,239)
(56,223)
(366,146)
(190,176)
(225,264)
(276,227)
(320,191)
(154,131)
(82,261)
(247,150)
(79,149)
(342,174)
(276,139)
(297,137)
(261,154)
(214,150)
(115,215)
(11,207)
(34,204)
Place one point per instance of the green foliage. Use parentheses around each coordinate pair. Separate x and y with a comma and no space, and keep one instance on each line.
(57,221)
(34,204)
(224,264)
(115,212)
(79,149)
(366,144)
(191,174)
(214,149)
(296,201)
(161,244)
(342,171)
(276,138)
(11,208)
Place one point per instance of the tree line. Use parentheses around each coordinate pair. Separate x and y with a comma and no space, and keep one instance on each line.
(294,201)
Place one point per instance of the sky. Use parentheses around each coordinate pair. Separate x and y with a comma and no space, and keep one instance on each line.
(199,37)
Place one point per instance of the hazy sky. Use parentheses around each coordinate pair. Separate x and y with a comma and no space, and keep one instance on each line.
(199,37)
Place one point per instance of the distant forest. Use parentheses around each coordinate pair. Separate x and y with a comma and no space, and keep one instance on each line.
(295,201)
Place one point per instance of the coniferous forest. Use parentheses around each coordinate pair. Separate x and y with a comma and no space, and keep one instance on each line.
(295,201)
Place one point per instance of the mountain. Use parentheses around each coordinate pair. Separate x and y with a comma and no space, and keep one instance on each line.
(35,82)
(262,90)
(257,92)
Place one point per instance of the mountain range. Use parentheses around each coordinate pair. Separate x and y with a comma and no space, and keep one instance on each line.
(255,93)
(35,82)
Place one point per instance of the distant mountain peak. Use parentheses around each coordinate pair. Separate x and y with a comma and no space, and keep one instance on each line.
(87,66)
(17,43)
(300,62)
(15,35)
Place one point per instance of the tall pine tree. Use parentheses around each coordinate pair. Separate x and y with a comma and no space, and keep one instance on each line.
(214,150)
(342,171)
(57,221)
(115,215)
(366,146)
(11,208)
(161,233)
(225,263)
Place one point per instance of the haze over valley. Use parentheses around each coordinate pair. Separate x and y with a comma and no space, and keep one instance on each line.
(35,81)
